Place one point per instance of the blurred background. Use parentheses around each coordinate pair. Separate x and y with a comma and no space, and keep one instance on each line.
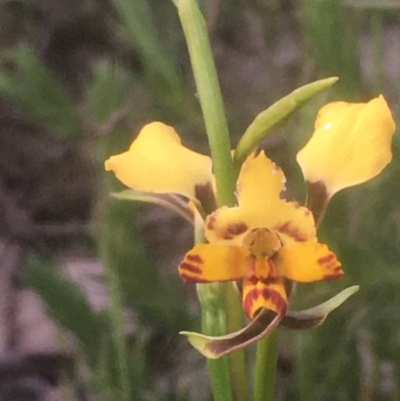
(77,81)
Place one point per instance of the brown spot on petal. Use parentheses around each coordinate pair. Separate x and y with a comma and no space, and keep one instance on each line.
(291,231)
(190,268)
(205,195)
(335,276)
(194,258)
(211,222)
(276,299)
(234,229)
(317,199)
(326,259)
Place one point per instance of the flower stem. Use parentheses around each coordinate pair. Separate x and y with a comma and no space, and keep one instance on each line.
(213,321)
(267,356)
(228,380)
(237,362)
(118,334)
(209,92)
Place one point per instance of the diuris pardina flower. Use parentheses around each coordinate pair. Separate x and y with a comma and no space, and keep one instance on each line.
(264,243)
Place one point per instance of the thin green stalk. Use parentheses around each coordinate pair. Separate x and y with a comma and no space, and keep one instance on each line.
(117,324)
(227,380)
(209,92)
(267,356)
(237,361)
(213,322)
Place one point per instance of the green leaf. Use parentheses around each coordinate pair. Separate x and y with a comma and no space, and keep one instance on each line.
(31,86)
(276,115)
(67,305)
(215,347)
(143,35)
(107,92)
(313,317)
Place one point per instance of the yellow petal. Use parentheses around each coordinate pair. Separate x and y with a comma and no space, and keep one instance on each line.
(307,262)
(269,294)
(350,145)
(259,186)
(214,262)
(157,162)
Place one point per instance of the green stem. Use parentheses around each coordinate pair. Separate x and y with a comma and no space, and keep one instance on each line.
(117,322)
(213,321)
(209,92)
(227,379)
(237,361)
(267,356)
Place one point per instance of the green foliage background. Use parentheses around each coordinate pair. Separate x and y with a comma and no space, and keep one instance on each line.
(355,354)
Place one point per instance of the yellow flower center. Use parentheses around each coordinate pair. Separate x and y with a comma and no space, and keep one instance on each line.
(262,244)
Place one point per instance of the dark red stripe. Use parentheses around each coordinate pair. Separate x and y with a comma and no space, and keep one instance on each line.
(326,259)
(191,268)
(194,258)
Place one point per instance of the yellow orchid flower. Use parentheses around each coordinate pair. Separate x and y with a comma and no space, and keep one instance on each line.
(264,241)
(350,145)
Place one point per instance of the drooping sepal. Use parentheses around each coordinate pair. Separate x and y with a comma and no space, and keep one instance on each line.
(215,347)
(169,201)
(313,317)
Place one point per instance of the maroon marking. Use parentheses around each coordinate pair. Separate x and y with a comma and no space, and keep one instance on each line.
(276,299)
(291,231)
(268,280)
(234,229)
(252,279)
(190,268)
(326,259)
(268,294)
(205,195)
(194,258)
(190,279)
(338,268)
(335,276)
(211,221)
(317,198)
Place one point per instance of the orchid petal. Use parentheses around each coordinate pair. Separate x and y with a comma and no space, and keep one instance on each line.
(157,162)
(350,145)
(259,186)
(215,347)
(313,317)
(307,262)
(214,262)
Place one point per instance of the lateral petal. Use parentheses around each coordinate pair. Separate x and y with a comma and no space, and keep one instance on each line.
(350,145)
(307,262)
(157,162)
(214,262)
